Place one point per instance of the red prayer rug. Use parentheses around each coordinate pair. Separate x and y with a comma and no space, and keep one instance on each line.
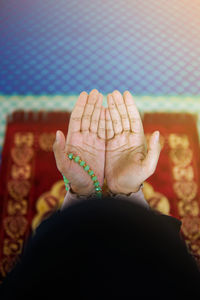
(31,187)
(174,187)
(30,184)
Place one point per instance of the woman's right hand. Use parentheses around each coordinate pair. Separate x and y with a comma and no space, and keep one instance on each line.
(86,139)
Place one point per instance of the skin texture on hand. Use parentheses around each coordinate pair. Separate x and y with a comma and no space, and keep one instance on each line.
(86,139)
(127,162)
(111,141)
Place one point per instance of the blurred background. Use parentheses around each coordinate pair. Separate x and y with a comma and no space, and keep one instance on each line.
(51,51)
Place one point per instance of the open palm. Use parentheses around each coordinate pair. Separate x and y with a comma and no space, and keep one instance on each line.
(127,162)
(86,139)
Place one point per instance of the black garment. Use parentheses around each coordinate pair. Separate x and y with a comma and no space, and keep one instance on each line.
(105,249)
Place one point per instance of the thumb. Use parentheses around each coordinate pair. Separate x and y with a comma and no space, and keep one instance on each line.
(59,151)
(151,160)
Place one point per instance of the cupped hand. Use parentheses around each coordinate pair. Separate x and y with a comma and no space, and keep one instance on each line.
(127,163)
(86,139)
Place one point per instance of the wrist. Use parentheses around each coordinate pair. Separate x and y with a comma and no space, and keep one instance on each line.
(126,191)
(81,191)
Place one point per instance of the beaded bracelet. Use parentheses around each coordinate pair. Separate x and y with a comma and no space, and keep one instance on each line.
(87,169)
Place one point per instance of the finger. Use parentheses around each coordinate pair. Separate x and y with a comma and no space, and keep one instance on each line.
(133,113)
(96,114)
(59,151)
(109,125)
(76,115)
(102,124)
(121,107)
(115,117)
(151,160)
(88,110)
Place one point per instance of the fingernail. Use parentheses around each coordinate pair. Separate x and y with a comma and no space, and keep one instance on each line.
(157,135)
(57,136)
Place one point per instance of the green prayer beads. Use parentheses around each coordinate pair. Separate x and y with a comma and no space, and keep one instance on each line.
(86,168)
(76,159)
(70,156)
(90,172)
(98,188)
(82,163)
(66,181)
